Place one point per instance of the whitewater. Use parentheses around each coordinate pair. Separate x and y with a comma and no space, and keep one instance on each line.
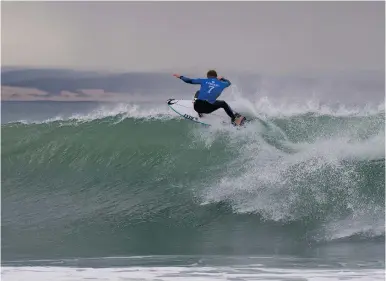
(130,191)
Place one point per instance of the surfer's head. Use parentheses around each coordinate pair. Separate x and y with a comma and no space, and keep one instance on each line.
(211,74)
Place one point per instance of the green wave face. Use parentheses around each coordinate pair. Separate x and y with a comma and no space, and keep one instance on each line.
(123,186)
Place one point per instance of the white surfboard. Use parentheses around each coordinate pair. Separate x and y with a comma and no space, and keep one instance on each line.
(184,108)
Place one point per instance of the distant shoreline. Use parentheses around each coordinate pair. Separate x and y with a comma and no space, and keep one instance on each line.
(65,85)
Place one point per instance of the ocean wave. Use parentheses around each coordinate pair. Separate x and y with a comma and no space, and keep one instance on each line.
(110,175)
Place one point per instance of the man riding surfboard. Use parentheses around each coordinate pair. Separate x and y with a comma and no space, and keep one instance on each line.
(206,98)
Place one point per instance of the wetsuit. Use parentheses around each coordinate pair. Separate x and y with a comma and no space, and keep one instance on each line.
(206,98)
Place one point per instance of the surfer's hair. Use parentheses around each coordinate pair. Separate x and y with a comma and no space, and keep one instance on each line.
(211,73)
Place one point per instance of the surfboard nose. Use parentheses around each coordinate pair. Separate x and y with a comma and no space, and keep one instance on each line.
(171,101)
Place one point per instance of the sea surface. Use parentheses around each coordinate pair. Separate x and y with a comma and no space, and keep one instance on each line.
(130,191)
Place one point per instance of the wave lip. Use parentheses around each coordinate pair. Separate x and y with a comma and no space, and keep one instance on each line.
(261,108)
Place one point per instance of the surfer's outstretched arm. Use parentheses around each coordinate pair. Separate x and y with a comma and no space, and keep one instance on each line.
(188,80)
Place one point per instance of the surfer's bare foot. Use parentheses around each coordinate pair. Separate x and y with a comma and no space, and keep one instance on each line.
(238,120)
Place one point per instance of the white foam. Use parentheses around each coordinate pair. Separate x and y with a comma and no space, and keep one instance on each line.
(188,273)
(270,181)
(122,110)
(361,222)
(126,111)
(263,105)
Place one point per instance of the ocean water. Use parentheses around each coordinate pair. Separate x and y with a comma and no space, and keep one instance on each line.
(130,191)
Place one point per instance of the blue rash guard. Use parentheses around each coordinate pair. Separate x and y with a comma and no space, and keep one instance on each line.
(211,88)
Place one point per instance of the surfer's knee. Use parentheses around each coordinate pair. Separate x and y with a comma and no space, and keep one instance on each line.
(221,103)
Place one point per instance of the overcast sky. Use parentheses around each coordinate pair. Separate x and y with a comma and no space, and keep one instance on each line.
(273,37)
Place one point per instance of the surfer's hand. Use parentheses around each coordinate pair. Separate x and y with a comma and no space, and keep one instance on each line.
(177,75)
(219,77)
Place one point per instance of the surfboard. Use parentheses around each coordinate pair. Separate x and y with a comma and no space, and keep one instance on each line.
(184,108)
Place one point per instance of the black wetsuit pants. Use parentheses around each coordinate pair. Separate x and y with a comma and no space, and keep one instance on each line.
(202,106)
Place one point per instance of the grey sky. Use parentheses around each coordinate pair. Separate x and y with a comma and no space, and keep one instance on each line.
(273,37)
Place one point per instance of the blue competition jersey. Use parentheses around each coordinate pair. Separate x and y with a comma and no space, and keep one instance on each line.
(211,88)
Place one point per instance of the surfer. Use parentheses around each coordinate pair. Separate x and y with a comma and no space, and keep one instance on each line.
(205,99)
